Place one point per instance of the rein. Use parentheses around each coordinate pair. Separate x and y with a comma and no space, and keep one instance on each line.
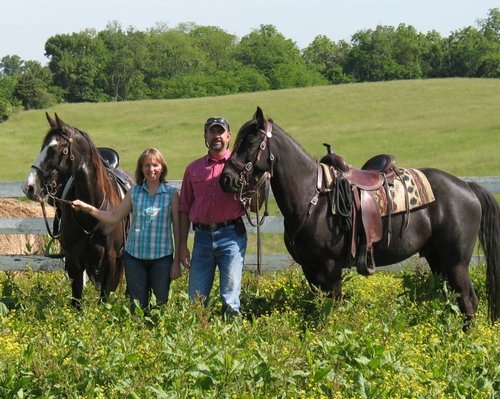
(313,202)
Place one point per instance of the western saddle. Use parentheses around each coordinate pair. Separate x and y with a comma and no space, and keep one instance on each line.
(364,213)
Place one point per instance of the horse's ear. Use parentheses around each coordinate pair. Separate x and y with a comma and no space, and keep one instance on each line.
(60,122)
(259,116)
(51,121)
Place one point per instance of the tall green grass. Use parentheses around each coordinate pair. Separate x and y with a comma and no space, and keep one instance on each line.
(393,336)
(451,124)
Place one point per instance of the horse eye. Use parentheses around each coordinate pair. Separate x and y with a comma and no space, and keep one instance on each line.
(253,138)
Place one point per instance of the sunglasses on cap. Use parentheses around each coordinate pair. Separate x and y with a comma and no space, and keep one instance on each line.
(216,121)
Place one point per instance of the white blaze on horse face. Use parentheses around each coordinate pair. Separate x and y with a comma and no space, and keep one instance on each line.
(32,186)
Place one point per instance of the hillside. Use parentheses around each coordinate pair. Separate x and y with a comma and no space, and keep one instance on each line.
(452,124)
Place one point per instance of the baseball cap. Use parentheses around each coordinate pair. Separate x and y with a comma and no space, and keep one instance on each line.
(216,121)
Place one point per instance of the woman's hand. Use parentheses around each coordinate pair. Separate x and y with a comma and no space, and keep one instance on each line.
(82,206)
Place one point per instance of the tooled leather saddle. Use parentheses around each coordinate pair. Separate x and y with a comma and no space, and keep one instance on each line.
(349,189)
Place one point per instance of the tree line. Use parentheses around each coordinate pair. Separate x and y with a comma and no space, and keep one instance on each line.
(196,61)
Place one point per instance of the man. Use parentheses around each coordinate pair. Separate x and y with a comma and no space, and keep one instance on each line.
(220,237)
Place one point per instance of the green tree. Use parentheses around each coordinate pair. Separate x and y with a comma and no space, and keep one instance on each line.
(434,56)
(171,55)
(125,63)
(408,46)
(26,83)
(277,58)
(466,50)
(34,87)
(370,57)
(490,28)
(11,65)
(250,80)
(221,64)
(7,99)
(218,45)
(386,53)
(7,86)
(77,63)
(328,58)
(33,92)
(6,109)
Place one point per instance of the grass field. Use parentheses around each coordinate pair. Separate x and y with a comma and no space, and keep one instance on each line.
(451,124)
(394,335)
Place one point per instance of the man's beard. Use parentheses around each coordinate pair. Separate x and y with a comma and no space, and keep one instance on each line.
(216,145)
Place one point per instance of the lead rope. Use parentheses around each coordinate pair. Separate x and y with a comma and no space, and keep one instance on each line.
(266,213)
(53,237)
(258,220)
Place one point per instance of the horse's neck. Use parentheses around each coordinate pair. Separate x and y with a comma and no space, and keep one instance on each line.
(294,180)
(87,183)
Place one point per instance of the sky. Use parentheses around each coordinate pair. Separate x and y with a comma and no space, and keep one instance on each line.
(25,25)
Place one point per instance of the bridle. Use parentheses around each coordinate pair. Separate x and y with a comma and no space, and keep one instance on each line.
(52,188)
(50,177)
(249,190)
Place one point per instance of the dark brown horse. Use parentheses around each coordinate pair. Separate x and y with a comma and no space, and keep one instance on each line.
(444,232)
(69,166)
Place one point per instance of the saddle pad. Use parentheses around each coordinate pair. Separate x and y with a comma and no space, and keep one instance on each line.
(415,184)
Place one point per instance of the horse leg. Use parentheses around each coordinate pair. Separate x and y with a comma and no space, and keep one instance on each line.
(113,271)
(460,281)
(457,274)
(75,273)
(112,268)
(327,278)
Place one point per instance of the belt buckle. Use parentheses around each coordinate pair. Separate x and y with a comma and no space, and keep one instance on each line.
(213,226)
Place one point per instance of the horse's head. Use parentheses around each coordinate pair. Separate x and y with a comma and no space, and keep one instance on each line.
(51,168)
(252,159)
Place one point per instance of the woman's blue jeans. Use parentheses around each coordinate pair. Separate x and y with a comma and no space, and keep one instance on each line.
(147,276)
(223,248)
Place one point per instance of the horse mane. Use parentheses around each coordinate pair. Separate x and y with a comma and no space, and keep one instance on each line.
(253,122)
(104,183)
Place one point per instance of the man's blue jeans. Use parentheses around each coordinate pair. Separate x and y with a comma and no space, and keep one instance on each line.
(224,248)
(146,276)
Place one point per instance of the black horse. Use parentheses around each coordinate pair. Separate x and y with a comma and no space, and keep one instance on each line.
(443,232)
(68,167)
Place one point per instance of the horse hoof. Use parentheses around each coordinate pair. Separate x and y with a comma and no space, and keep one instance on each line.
(365,271)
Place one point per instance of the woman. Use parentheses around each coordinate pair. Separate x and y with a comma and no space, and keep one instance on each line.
(150,260)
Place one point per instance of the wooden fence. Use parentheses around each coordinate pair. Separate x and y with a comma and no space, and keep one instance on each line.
(273,224)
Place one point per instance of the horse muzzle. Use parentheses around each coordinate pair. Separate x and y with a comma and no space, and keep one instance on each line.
(230,183)
(32,194)
(32,188)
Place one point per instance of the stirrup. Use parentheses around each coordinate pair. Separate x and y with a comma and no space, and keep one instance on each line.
(361,262)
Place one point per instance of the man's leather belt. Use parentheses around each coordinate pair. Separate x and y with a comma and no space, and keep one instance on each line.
(214,226)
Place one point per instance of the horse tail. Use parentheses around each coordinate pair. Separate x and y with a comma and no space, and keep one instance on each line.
(489,239)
